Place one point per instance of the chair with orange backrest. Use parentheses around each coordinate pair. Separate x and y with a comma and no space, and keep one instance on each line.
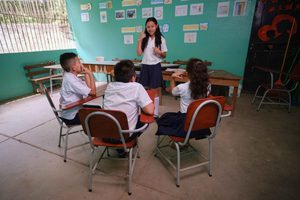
(202,114)
(276,92)
(70,129)
(104,128)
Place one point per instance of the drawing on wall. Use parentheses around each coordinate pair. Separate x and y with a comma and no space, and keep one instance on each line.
(103,5)
(147,12)
(129,3)
(190,37)
(190,27)
(128,39)
(223,9)
(159,12)
(157,1)
(181,10)
(168,1)
(203,26)
(103,17)
(165,28)
(86,6)
(138,29)
(128,29)
(239,8)
(196,9)
(119,14)
(131,13)
(85,17)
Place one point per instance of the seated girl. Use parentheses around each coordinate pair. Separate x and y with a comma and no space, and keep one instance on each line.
(197,87)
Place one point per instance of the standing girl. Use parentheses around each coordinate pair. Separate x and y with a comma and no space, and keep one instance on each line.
(152,43)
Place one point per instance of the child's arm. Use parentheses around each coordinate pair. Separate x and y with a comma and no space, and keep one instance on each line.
(172,83)
(139,50)
(149,109)
(89,80)
(158,52)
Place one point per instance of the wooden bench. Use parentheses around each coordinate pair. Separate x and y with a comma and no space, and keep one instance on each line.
(38,75)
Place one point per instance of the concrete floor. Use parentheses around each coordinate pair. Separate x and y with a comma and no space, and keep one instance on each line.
(255,154)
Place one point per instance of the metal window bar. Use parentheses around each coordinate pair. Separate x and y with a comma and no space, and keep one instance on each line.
(34,25)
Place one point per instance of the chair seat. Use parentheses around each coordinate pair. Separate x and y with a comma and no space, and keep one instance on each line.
(100,142)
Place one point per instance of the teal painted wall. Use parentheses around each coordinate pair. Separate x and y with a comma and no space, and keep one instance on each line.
(225,43)
(13,81)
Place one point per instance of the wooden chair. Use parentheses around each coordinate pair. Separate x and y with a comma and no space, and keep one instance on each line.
(103,127)
(277,93)
(203,114)
(68,128)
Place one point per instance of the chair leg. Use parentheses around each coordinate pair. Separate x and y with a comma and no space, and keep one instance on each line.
(256,93)
(210,157)
(157,145)
(91,170)
(66,145)
(60,133)
(262,99)
(129,170)
(178,165)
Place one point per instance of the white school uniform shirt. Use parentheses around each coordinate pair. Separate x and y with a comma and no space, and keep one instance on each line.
(184,92)
(73,89)
(149,57)
(126,97)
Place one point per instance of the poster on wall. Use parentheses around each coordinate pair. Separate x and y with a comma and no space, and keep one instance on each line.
(85,17)
(190,27)
(119,14)
(168,1)
(239,8)
(103,5)
(103,17)
(203,26)
(190,37)
(196,9)
(138,29)
(157,1)
(181,10)
(131,13)
(159,13)
(165,28)
(223,9)
(86,6)
(147,12)
(128,39)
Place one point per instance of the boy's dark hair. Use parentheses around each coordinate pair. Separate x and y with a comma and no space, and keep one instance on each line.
(124,70)
(64,60)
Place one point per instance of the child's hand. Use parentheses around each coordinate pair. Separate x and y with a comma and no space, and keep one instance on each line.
(142,35)
(177,75)
(156,50)
(85,70)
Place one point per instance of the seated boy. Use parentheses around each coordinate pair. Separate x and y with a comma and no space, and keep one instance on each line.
(73,88)
(127,95)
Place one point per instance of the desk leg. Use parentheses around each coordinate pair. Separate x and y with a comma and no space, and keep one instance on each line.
(234,97)
(50,73)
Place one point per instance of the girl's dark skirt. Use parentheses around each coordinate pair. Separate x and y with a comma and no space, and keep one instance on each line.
(172,124)
(151,76)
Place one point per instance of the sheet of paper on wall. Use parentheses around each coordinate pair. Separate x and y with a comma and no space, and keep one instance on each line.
(86,6)
(196,9)
(159,13)
(138,29)
(128,39)
(103,5)
(190,27)
(128,3)
(147,12)
(85,17)
(181,10)
(190,37)
(239,8)
(165,28)
(119,14)
(128,29)
(157,1)
(168,1)
(223,9)
(131,13)
(204,26)
(103,17)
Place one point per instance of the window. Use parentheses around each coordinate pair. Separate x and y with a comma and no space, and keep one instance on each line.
(34,25)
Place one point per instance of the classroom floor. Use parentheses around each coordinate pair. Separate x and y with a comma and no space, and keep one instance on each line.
(256,156)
